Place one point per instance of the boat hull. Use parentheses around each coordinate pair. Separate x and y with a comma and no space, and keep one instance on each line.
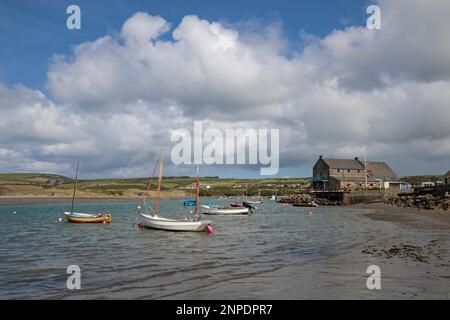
(225,212)
(305,205)
(156,222)
(236,205)
(88,217)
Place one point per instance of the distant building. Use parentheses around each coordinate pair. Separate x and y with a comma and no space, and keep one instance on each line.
(347,174)
(447,178)
(428,184)
(405,186)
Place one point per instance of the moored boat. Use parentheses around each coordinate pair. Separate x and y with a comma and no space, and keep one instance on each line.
(237,205)
(208,209)
(189,203)
(305,204)
(77,217)
(254,201)
(244,204)
(155,221)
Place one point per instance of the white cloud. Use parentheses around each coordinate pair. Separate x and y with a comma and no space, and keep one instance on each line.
(382,92)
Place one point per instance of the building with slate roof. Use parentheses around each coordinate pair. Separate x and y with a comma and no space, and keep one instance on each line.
(347,174)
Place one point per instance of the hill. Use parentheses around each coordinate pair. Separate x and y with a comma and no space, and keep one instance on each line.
(37,184)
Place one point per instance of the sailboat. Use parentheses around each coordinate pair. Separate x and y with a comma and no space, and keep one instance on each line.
(77,217)
(247,203)
(155,221)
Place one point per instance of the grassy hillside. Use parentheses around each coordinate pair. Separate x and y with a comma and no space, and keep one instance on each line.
(35,184)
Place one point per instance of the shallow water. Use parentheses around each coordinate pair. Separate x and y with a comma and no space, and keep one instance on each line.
(120,261)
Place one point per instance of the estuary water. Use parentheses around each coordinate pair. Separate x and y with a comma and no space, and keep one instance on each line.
(260,256)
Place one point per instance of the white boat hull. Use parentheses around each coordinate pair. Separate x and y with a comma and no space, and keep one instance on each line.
(253,202)
(225,212)
(157,222)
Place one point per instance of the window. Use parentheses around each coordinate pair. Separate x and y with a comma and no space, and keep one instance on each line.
(339,170)
(348,170)
(359,171)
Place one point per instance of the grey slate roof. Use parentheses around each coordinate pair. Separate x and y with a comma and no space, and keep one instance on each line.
(382,170)
(376,170)
(344,164)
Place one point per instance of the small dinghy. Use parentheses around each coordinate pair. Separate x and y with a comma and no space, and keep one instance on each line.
(305,205)
(254,201)
(236,205)
(77,217)
(88,217)
(213,210)
(154,221)
(244,204)
(189,203)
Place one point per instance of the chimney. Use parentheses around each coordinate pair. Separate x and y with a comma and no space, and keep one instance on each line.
(356,158)
(321,157)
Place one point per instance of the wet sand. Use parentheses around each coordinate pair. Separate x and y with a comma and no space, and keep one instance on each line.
(408,216)
(411,247)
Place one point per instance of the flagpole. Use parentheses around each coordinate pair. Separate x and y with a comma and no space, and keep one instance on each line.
(365,169)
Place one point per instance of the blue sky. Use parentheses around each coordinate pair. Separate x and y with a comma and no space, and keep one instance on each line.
(32,31)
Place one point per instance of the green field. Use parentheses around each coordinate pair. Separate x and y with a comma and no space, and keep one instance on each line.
(37,184)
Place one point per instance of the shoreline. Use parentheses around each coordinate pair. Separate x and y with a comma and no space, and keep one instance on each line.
(407,216)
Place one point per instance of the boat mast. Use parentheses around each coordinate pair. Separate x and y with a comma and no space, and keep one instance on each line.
(75,187)
(197,187)
(158,192)
(149,185)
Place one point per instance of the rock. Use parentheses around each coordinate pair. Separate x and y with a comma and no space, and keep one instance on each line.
(425,202)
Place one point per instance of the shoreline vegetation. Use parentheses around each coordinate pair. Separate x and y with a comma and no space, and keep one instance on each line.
(37,188)
(50,185)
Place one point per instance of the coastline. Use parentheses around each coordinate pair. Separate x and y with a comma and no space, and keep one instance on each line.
(407,216)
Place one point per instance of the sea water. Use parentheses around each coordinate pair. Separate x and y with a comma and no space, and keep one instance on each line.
(119,260)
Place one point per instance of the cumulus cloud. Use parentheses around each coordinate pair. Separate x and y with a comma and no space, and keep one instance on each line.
(116,99)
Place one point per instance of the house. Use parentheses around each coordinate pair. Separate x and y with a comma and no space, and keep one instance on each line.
(447,178)
(347,174)
(428,184)
(405,186)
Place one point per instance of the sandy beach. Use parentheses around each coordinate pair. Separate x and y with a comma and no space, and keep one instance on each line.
(410,247)
(408,216)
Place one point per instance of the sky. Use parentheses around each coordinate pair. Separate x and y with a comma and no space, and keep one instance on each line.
(112,93)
